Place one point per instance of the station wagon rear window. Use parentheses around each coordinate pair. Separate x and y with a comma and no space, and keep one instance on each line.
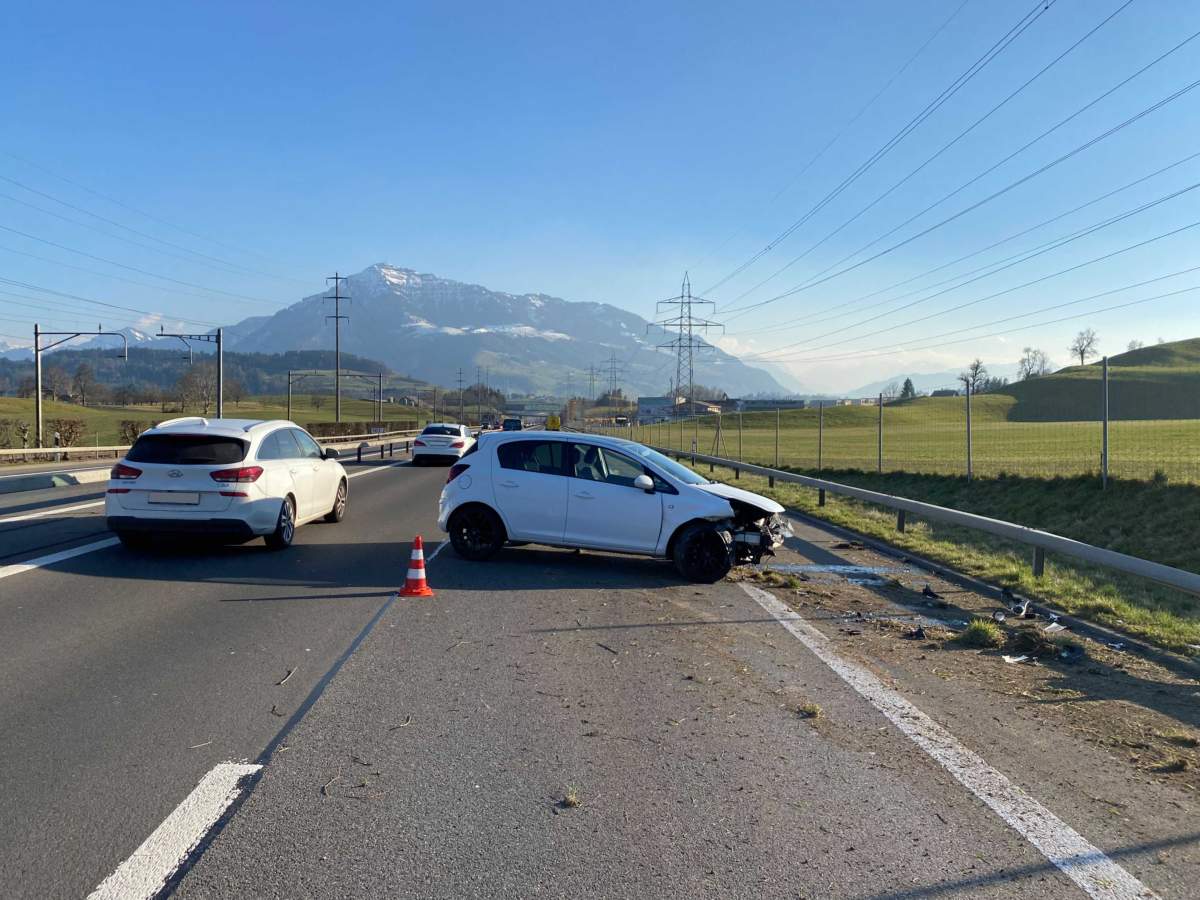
(187,450)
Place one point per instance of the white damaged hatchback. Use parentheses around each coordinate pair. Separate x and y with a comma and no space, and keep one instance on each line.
(602,493)
(224,480)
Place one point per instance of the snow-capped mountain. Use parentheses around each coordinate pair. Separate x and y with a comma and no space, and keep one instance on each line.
(13,352)
(134,336)
(429,327)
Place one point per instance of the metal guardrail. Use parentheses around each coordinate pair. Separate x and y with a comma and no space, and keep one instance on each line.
(1042,541)
(83,450)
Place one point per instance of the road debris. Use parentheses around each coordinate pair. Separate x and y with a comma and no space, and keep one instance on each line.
(290,673)
(198,746)
(1015,659)
(1054,628)
(407,721)
(275,711)
(608,648)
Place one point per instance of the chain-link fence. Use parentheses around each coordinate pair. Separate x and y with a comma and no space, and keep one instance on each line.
(1119,422)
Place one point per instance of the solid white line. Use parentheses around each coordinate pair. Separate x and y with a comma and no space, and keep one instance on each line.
(24,517)
(49,560)
(373,470)
(152,864)
(1083,863)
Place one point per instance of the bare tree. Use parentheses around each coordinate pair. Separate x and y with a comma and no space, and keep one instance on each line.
(84,382)
(974,375)
(198,387)
(891,390)
(1084,345)
(236,391)
(317,402)
(1033,363)
(55,382)
(1135,345)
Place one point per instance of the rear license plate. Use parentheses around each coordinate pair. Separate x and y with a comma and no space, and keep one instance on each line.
(176,497)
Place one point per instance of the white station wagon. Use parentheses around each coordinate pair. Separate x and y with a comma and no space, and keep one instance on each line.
(602,493)
(223,479)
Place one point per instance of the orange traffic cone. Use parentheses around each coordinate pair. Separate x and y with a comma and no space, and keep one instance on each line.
(414,582)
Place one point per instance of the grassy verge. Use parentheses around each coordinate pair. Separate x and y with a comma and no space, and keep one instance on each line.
(1151,521)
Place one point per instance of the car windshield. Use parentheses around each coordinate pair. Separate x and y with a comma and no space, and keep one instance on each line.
(187,450)
(443,429)
(665,464)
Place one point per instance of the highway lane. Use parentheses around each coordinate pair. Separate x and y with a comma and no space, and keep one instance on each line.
(125,677)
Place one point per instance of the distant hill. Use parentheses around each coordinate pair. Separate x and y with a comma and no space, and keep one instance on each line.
(1159,382)
(927,382)
(530,343)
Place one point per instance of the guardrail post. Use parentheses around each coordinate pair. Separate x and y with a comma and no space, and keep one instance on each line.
(739,437)
(820,496)
(1039,562)
(879,450)
(360,452)
(381,449)
(900,520)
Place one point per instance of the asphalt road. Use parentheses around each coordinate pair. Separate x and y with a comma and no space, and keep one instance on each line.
(124,678)
(549,723)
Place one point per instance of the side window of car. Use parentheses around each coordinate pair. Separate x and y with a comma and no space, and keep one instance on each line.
(269,449)
(531,456)
(288,448)
(620,469)
(309,448)
(585,462)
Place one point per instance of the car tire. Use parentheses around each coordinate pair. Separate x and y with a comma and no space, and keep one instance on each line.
(285,527)
(476,533)
(134,541)
(340,499)
(701,554)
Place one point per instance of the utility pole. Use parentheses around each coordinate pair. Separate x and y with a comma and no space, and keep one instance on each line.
(217,338)
(679,316)
(478,397)
(592,383)
(461,408)
(337,317)
(38,350)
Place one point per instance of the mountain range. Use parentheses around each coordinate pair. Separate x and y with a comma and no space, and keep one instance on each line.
(436,329)
(925,382)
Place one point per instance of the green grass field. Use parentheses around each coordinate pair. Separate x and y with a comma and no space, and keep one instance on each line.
(102,424)
(929,435)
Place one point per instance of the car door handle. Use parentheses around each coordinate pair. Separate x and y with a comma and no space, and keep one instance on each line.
(508,484)
(584,495)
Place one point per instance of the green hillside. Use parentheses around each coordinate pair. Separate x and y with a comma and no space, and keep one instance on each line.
(1159,382)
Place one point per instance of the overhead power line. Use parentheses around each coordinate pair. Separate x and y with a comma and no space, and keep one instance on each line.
(816,281)
(820,154)
(930,108)
(110,199)
(945,147)
(1008,264)
(852,306)
(995,295)
(111,262)
(145,312)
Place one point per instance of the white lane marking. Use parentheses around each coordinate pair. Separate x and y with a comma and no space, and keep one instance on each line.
(52,511)
(152,864)
(1083,863)
(52,558)
(438,549)
(373,470)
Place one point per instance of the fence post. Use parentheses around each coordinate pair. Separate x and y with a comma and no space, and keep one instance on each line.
(1104,442)
(970,448)
(777,437)
(820,436)
(740,436)
(879,448)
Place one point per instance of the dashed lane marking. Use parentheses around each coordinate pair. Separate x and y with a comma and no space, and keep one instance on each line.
(52,558)
(147,871)
(1079,860)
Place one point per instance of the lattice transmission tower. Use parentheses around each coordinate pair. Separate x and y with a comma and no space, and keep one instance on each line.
(678,315)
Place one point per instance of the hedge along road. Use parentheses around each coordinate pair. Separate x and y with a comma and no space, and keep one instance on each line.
(125,678)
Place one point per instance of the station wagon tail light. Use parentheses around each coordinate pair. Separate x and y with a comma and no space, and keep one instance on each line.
(122,472)
(244,475)
(456,470)
(457,444)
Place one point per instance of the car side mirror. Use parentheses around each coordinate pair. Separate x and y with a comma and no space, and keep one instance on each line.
(645,483)
(330,453)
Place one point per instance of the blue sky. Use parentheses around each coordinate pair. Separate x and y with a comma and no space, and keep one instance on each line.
(596,153)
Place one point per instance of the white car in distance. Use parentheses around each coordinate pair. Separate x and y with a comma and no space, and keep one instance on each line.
(224,480)
(441,442)
(602,493)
